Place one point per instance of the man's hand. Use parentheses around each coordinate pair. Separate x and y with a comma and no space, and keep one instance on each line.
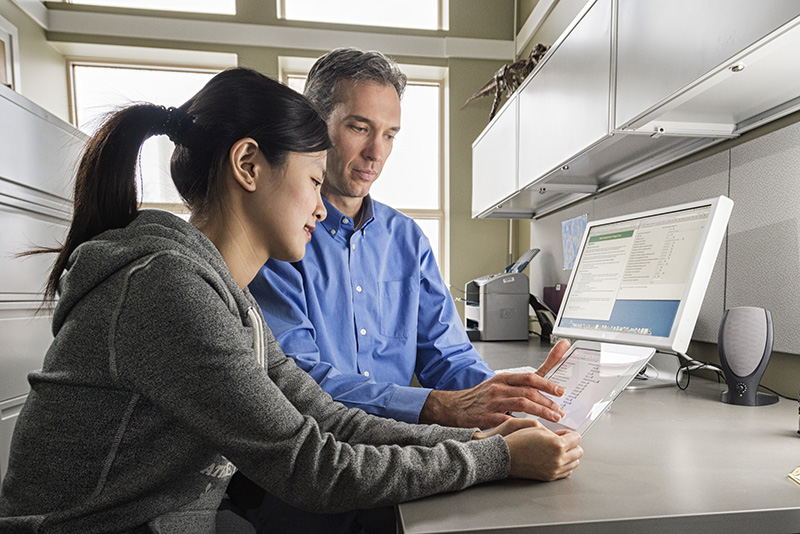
(556,353)
(489,403)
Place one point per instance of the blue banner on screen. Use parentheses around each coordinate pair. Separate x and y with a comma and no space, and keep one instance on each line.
(642,317)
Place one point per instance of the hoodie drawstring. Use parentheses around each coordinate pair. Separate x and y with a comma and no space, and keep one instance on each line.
(258,333)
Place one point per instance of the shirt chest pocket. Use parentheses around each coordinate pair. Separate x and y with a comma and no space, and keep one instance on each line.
(399,302)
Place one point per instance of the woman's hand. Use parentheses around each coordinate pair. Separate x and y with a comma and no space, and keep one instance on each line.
(541,454)
(507,427)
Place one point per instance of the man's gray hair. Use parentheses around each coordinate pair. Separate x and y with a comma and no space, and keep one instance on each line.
(349,64)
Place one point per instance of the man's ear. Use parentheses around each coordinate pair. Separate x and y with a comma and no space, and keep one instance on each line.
(244,163)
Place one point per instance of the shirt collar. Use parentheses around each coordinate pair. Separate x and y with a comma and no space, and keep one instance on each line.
(336,221)
(367,214)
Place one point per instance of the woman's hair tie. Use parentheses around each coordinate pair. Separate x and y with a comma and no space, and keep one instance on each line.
(175,124)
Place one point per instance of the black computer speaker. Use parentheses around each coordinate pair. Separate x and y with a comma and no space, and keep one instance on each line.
(745,344)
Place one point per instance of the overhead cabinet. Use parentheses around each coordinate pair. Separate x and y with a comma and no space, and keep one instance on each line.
(494,155)
(631,86)
(705,67)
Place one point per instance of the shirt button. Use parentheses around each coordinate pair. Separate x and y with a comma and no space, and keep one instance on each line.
(363,331)
(366,373)
(353,246)
(345,220)
(359,289)
(333,231)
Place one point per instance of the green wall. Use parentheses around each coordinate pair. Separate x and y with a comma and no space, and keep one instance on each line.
(477,246)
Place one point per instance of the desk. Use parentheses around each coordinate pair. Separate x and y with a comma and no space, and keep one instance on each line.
(659,460)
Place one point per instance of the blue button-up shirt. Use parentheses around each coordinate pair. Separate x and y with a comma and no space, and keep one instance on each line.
(365,310)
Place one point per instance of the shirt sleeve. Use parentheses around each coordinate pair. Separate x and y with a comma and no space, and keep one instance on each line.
(182,345)
(279,290)
(445,357)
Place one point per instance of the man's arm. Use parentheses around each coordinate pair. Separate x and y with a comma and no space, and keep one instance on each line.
(466,392)
(446,360)
(280,291)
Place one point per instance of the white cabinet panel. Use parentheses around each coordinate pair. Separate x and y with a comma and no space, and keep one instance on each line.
(39,150)
(24,278)
(564,106)
(664,47)
(494,160)
(9,410)
(25,340)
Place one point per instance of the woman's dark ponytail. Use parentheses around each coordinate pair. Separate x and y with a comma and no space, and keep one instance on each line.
(237,103)
(105,184)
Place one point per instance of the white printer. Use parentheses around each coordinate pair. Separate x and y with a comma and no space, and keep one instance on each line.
(496,306)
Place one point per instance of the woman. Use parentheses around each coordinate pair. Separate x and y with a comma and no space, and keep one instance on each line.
(162,375)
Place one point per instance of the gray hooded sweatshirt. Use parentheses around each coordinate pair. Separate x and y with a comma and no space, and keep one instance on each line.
(162,377)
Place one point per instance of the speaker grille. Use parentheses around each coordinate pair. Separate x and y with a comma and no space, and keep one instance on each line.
(744,338)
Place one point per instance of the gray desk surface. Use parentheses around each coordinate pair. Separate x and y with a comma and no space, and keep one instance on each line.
(659,460)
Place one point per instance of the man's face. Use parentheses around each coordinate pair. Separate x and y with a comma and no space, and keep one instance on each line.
(362,127)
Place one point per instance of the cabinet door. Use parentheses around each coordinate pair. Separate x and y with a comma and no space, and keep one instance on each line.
(38,150)
(564,107)
(9,410)
(663,46)
(494,160)
(25,336)
(23,229)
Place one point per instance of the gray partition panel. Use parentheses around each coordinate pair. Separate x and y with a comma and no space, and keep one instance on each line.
(703,179)
(706,178)
(759,263)
(763,236)
(547,268)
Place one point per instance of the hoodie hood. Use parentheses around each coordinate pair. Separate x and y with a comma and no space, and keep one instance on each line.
(151,232)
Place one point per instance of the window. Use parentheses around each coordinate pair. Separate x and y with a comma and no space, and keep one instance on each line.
(412,180)
(419,14)
(9,55)
(222,7)
(98,89)
(5,64)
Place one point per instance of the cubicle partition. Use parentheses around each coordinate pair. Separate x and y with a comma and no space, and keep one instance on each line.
(758,264)
(38,154)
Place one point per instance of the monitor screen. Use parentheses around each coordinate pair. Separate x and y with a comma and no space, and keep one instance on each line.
(640,279)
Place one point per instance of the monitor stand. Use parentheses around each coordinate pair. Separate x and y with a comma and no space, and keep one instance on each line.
(659,372)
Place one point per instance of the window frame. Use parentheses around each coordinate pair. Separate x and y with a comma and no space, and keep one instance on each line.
(174,9)
(417,74)
(443,13)
(9,35)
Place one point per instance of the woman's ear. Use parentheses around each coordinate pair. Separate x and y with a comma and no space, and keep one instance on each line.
(245,163)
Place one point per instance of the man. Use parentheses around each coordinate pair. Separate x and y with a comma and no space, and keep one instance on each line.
(367,309)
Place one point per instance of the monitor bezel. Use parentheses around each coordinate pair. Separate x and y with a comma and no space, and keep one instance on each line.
(693,294)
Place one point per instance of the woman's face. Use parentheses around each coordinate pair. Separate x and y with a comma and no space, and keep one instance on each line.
(291,205)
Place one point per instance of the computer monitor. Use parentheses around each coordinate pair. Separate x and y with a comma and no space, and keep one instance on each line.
(640,279)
